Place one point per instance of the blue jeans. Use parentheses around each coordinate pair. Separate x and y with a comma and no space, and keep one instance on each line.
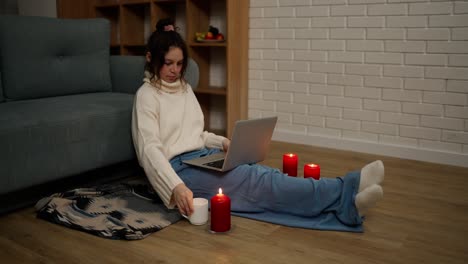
(266,194)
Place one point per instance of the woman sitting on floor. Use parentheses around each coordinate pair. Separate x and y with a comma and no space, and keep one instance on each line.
(167,128)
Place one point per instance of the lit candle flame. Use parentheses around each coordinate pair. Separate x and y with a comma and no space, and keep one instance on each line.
(291,155)
(312,165)
(220,191)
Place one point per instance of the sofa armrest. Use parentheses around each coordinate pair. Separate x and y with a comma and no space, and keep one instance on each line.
(127,73)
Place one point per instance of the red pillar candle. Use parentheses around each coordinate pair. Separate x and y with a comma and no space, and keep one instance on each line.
(220,212)
(312,170)
(290,164)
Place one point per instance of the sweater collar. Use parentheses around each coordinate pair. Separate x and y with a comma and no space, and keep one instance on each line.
(164,86)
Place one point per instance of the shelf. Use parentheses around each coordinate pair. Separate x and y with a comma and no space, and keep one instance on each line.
(134,2)
(221,132)
(207,44)
(169,1)
(133,29)
(110,12)
(134,50)
(211,90)
(134,44)
(106,3)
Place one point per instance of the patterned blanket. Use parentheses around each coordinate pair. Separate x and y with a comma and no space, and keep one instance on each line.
(116,211)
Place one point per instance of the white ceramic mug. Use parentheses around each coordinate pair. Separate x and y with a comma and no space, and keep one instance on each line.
(200,212)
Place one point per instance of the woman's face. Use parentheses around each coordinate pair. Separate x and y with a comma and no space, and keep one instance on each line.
(173,61)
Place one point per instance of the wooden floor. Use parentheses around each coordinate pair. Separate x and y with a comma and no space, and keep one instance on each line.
(423,218)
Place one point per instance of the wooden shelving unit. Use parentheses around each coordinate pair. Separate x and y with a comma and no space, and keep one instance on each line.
(234,51)
(223,65)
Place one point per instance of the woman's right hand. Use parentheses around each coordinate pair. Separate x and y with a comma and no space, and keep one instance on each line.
(226,144)
(183,198)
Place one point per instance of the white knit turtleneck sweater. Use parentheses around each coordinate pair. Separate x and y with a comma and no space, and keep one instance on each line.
(167,122)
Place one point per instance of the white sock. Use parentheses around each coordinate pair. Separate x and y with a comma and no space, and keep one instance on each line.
(368,198)
(372,173)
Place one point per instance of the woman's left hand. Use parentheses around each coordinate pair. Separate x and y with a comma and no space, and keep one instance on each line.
(226,144)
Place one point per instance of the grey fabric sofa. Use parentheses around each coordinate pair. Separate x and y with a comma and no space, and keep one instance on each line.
(65,103)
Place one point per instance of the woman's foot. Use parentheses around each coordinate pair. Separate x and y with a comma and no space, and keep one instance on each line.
(368,198)
(372,173)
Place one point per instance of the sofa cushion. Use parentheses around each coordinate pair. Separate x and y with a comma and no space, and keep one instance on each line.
(127,73)
(50,138)
(43,57)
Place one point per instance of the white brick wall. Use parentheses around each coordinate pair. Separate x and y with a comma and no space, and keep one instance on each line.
(382,76)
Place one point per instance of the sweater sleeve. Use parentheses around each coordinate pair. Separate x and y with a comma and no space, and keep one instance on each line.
(212,140)
(150,150)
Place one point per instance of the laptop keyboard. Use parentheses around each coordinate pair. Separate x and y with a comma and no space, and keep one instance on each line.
(217,164)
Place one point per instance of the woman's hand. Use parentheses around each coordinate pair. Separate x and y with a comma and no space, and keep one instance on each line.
(183,198)
(226,144)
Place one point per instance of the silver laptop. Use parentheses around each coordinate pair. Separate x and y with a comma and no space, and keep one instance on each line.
(249,144)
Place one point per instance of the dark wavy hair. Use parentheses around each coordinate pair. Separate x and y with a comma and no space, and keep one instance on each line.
(165,22)
(158,46)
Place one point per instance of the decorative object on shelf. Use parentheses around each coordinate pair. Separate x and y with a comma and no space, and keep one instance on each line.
(209,40)
(212,35)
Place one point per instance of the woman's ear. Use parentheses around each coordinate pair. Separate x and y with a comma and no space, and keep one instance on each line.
(148,56)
